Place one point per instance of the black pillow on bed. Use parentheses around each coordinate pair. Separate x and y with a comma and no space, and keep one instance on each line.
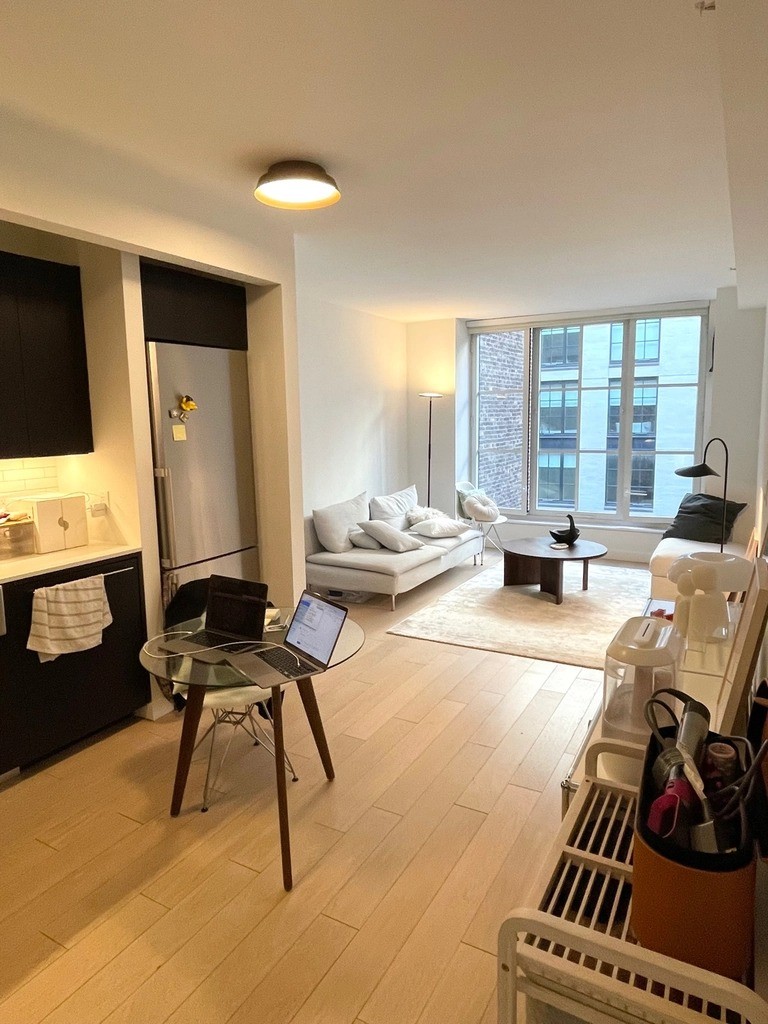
(700,517)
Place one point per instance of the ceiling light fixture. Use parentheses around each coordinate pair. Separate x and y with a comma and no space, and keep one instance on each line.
(297,185)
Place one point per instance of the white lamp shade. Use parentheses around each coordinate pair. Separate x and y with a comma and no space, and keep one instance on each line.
(297,185)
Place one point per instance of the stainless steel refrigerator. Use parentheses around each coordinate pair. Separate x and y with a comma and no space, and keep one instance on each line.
(201,439)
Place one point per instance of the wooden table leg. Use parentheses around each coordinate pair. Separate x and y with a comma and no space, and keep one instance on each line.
(520,570)
(282,795)
(308,699)
(192,713)
(552,578)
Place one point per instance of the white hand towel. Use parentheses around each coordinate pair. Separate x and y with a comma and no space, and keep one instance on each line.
(69,617)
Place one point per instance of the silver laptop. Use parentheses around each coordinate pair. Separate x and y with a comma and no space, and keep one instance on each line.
(234,619)
(308,646)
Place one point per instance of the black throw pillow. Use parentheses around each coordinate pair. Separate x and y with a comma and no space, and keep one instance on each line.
(700,517)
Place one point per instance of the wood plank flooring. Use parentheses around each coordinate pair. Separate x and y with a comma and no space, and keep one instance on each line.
(448,767)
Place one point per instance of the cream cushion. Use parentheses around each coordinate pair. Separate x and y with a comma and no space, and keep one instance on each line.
(394,508)
(333,523)
(419,513)
(360,539)
(482,508)
(389,537)
(443,527)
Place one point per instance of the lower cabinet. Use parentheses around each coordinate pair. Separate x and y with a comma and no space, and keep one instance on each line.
(45,706)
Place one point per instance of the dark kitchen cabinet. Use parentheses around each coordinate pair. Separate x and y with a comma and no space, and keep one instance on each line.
(45,706)
(44,385)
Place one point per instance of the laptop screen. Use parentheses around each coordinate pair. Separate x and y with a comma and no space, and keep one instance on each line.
(315,627)
(236,606)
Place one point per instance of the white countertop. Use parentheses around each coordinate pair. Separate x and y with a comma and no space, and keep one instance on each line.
(34,565)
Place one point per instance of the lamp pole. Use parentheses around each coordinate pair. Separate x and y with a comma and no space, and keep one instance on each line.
(725,485)
(431,395)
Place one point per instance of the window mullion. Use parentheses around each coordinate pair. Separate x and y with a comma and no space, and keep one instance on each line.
(626,417)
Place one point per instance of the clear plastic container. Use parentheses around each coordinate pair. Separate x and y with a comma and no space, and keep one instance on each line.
(17,539)
(643,657)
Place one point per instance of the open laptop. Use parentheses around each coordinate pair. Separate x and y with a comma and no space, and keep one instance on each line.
(234,615)
(307,648)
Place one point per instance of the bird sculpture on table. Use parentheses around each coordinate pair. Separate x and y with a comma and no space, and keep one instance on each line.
(569,536)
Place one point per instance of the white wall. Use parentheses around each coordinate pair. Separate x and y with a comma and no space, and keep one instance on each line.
(734,401)
(352,372)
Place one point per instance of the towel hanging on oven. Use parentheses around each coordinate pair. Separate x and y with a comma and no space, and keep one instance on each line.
(68,617)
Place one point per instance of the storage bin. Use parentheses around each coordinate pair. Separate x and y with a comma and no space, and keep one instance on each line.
(59,520)
(694,906)
(17,539)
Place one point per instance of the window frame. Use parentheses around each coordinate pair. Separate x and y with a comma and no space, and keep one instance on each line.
(621,517)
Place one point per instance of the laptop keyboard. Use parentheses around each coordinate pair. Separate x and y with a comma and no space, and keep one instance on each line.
(287,664)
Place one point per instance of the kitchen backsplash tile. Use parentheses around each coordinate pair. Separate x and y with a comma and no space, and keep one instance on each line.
(23,476)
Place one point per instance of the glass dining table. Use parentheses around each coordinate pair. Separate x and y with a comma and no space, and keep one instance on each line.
(200,676)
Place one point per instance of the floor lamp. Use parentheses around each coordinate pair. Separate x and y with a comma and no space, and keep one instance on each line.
(431,395)
(702,469)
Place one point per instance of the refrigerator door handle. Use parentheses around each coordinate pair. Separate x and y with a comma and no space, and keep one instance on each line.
(166,517)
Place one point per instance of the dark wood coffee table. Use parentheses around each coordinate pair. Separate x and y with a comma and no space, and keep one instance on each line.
(534,560)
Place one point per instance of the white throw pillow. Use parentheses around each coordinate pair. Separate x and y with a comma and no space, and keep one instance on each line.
(419,513)
(444,527)
(482,508)
(389,537)
(394,508)
(360,539)
(333,523)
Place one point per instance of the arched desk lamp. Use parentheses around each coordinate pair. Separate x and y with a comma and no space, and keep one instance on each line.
(702,469)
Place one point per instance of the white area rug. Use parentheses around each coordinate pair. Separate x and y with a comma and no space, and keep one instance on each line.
(521,620)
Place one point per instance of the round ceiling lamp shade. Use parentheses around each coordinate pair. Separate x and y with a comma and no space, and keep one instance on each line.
(297,185)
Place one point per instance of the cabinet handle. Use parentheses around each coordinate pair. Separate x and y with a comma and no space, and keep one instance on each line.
(3,627)
(116,572)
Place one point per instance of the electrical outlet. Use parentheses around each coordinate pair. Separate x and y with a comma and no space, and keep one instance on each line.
(98,508)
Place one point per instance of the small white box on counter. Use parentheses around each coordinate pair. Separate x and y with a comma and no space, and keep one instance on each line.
(59,519)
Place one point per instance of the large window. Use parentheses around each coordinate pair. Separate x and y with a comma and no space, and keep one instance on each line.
(589,417)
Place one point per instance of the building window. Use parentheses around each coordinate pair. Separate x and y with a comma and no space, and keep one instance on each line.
(644,408)
(567,415)
(560,346)
(558,414)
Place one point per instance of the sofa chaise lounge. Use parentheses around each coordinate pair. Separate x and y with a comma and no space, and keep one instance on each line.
(336,563)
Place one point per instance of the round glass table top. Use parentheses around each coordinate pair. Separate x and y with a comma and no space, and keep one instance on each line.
(189,671)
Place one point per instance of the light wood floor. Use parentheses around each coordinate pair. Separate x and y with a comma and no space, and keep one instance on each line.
(448,767)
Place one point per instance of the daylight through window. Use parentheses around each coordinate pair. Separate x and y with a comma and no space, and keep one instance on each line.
(589,417)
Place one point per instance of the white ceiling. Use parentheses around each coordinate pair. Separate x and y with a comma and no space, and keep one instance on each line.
(497,157)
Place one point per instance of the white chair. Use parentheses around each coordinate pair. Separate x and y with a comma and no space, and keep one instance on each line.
(482,512)
(234,705)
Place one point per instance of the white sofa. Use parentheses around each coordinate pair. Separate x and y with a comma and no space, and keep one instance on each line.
(383,571)
(698,514)
(668,550)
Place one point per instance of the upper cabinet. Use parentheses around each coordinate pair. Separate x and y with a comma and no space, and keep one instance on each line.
(44,380)
(192,309)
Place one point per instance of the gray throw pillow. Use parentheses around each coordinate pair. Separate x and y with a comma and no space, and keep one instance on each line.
(360,539)
(333,523)
(394,508)
(700,517)
(389,537)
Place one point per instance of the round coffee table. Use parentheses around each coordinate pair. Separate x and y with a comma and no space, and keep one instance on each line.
(534,560)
